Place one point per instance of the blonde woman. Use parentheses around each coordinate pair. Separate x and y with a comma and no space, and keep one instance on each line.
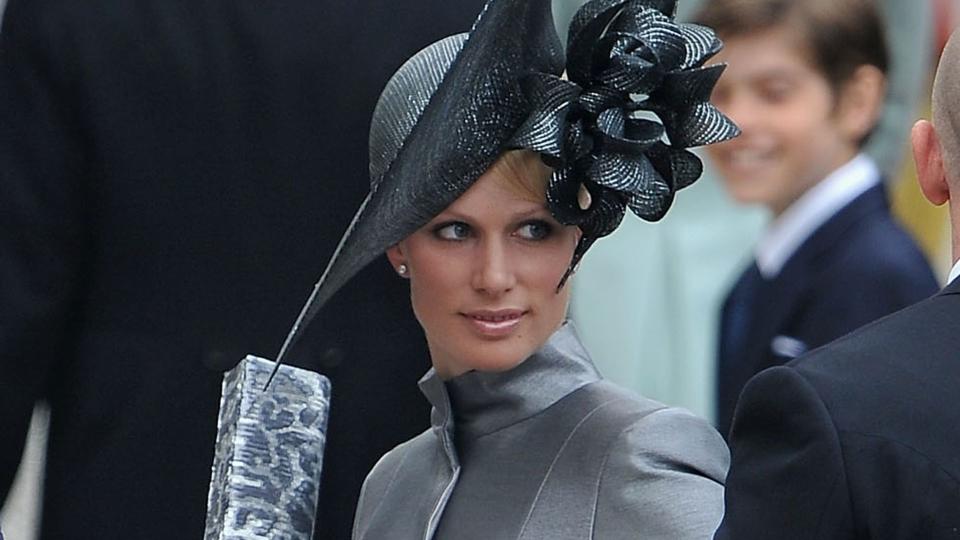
(495,165)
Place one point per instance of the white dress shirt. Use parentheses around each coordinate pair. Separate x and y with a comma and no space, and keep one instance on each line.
(954,273)
(788,231)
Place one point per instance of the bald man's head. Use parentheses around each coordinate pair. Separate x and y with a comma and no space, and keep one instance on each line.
(946,107)
(936,144)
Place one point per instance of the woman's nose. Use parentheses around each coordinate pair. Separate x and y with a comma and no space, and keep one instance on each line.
(493,273)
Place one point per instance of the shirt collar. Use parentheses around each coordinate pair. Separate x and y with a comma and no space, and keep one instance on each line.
(484,402)
(788,232)
(954,273)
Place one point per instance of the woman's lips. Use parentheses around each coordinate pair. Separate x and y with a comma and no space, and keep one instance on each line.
(494,323)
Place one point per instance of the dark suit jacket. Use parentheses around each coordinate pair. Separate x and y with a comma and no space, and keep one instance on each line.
(855,268)
(859,439)
(174,174)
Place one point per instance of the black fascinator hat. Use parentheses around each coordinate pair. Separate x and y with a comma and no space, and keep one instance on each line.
(615,128)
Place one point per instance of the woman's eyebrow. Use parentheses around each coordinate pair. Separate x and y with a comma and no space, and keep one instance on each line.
(450,215)
(538,211)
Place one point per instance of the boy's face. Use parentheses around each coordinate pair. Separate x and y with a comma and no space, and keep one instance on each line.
(794,133)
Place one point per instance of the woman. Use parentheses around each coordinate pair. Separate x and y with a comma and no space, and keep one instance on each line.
(527,440)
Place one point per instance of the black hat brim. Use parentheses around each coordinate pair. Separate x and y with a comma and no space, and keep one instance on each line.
(463,130)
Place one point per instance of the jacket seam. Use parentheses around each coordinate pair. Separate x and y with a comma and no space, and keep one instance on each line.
(556,458)
(606,458)
(842,457)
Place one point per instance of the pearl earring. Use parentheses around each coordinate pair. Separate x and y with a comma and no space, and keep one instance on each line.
(402,270)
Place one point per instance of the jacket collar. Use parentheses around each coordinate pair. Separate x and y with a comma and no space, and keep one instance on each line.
(791,284)
(786,234)
(831,233)
(480,403)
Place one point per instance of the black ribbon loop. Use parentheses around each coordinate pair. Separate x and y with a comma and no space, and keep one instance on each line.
(626,59)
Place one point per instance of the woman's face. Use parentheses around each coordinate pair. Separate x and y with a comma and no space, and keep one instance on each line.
(484,272)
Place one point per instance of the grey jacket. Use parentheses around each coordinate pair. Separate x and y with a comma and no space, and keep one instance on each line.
(547,450)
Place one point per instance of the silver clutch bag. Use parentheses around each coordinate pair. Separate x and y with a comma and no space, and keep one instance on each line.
(269,453)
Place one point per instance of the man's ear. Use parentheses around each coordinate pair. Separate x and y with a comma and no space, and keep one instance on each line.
(395,256)
(929,159)
(861,102)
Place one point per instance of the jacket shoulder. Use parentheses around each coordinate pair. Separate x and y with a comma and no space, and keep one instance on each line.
(873,270)
(621,414)
(828,447)
(664,475)
(919,331)
(878,381)
(882,245)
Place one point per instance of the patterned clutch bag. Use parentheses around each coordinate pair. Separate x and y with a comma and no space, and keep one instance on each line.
(269,453)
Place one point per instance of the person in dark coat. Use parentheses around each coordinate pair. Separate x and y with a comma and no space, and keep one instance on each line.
(859,439)
(173,174)
(805,83)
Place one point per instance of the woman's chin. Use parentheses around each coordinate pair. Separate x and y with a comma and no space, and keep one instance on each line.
(500,364)
(493,357)
(486,346)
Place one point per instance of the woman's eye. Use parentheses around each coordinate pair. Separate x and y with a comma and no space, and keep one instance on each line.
(535,230)
(453,231)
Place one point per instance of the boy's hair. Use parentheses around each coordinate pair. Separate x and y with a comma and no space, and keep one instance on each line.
(840,35)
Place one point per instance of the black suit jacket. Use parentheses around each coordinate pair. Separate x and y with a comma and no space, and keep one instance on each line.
(855,268)
(174,174)
(859,439)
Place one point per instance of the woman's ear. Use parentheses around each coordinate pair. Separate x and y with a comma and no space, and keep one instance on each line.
(928,156)
(397,258)
(861,102)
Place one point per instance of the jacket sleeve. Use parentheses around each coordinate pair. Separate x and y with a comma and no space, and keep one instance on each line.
(663,479)
(787,478)
(40,218)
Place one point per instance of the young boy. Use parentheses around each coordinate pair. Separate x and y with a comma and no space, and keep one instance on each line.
(805,83)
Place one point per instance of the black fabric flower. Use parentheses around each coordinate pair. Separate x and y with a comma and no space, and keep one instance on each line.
(635,97)
(616,130)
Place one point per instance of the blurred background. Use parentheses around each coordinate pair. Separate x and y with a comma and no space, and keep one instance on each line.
(646,299)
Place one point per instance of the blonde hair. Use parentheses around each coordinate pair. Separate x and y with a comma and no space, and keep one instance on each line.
(524,172)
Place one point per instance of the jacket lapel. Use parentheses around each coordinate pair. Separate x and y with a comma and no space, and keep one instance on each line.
(782,297)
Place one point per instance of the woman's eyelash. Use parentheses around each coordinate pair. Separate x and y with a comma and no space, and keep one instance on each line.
(532,229)
(452,230)
(535,229)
